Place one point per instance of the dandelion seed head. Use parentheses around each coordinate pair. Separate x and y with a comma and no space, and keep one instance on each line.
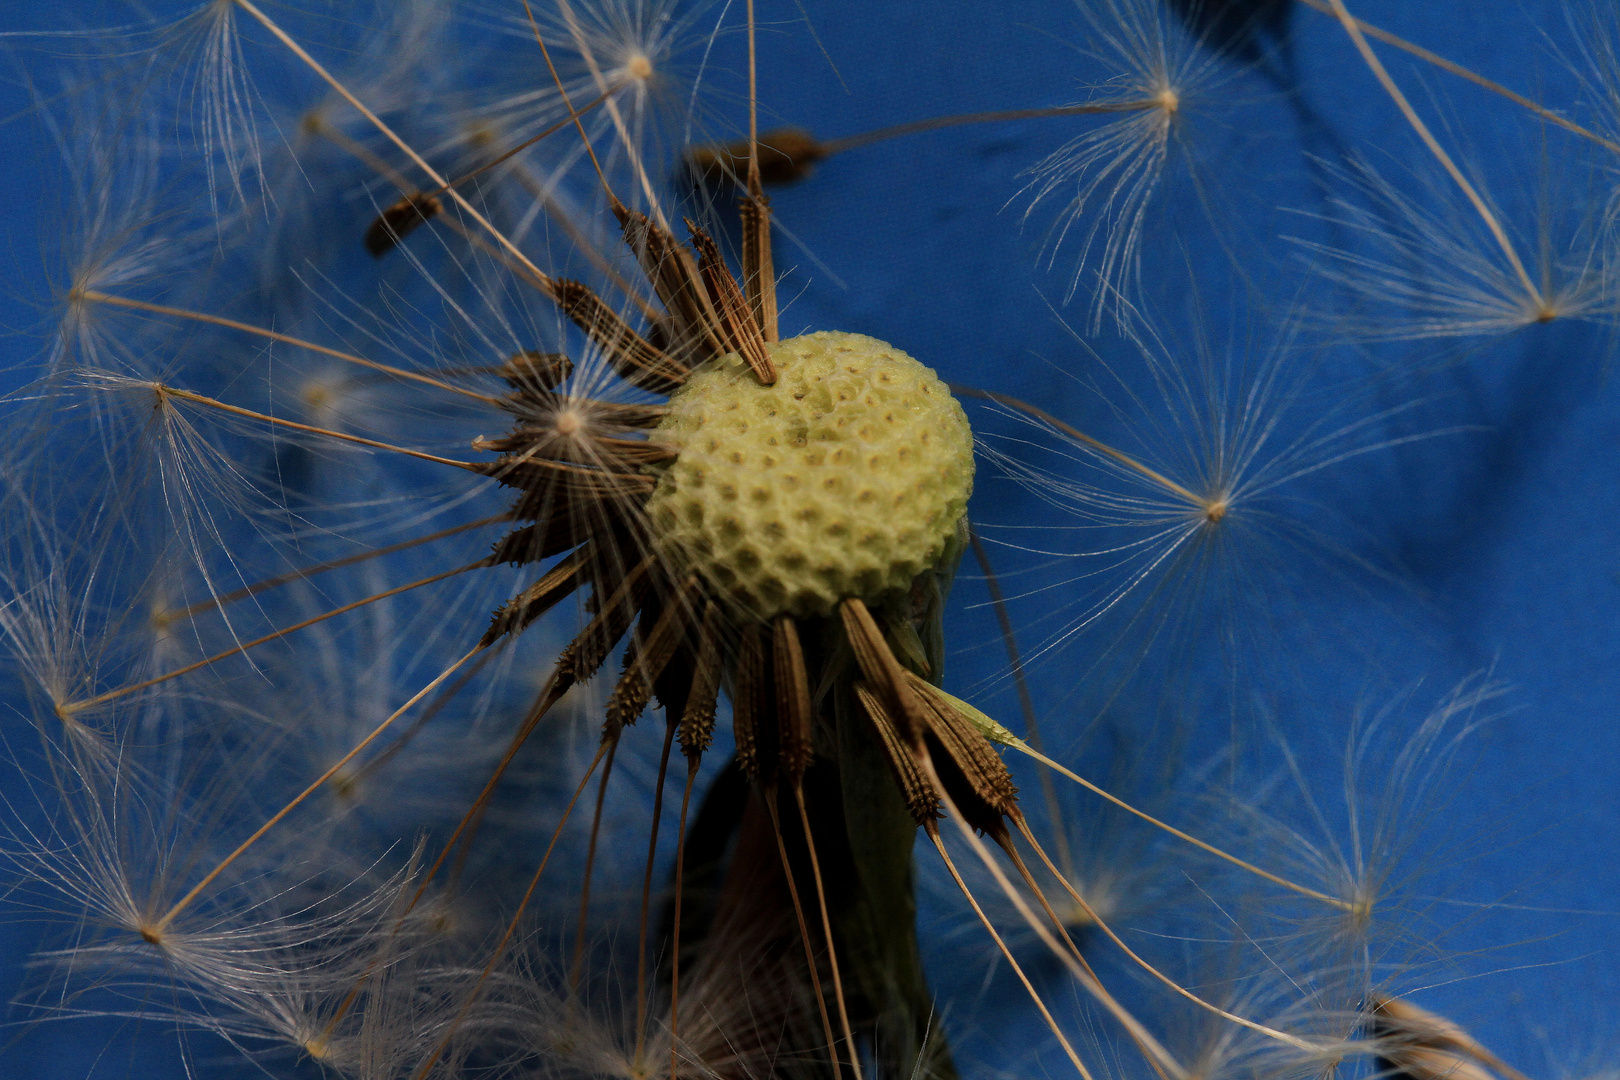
(848,477)
(639,67)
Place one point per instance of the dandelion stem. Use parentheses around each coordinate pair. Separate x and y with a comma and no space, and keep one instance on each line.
(583,243)
(671,722)
(472,820)
(1083,974)
(625,141)
(196,890)
(755,190)
(577,967)
(79,706)
(404,738)
(693,760)
(287,339)
(554,690)
(1472,76)
(759,264)
(1004,841)
(573,114)
(375,162)
(1376,66)
(575,235)
(427,715)
(526,143)
(548,698)
(382,168)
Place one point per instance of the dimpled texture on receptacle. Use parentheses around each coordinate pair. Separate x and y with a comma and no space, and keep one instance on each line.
(846,478)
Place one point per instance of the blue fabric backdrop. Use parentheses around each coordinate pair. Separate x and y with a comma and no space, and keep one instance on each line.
(1485,545)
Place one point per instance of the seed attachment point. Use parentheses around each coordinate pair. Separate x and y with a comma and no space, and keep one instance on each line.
(846,477)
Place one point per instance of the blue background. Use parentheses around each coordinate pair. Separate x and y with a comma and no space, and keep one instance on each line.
(1487,546)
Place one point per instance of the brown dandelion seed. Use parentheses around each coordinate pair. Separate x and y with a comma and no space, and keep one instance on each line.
(389,228)
(536,371)
(786,156)
(1415,1044)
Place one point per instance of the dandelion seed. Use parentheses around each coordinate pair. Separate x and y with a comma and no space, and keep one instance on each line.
(1417,1043)
(1183,512)
(1110,174)
(1435,271)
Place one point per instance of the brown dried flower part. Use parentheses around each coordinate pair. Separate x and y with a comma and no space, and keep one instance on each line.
(1416,1044)
(632,357)
(786,156)
(915,724)
(535,371)
(389,228)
